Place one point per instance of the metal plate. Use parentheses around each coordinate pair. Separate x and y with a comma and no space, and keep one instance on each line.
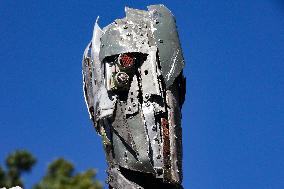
(167,41)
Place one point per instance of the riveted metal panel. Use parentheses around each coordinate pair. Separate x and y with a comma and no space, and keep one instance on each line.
(124,36)
(132,100)
(167,41)
(121,127)
(154,136)
(137,128)
(138,117)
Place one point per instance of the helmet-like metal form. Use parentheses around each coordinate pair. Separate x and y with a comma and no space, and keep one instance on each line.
(134,90)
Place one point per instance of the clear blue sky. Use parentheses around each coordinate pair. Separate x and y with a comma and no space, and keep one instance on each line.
(233,115)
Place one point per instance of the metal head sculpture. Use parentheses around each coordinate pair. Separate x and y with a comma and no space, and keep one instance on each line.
(134,90)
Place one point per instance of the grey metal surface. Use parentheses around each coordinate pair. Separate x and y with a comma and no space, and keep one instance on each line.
(154,135)
(167,41)
(132,106)
(123,36)
(133,87)
(148,74)
(121,128)
(136,126)
(118,181)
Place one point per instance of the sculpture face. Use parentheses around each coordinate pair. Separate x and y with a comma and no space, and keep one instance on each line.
(134,90)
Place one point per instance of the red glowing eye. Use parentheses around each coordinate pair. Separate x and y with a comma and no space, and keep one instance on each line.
(126,60)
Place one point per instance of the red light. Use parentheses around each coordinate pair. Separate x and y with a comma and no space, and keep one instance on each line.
(126,60)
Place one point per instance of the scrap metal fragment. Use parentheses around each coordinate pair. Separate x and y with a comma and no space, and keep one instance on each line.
(134,90)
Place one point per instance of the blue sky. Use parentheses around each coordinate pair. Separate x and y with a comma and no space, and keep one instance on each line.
(233,131)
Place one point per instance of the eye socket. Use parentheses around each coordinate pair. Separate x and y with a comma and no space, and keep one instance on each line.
(126,60)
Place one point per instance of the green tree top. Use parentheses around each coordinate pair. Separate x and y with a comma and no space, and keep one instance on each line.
(16,163)
(60,173)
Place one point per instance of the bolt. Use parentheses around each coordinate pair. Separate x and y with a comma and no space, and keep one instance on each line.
(161,41)
(122,78)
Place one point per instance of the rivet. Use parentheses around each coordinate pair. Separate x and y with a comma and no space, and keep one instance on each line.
(147,95)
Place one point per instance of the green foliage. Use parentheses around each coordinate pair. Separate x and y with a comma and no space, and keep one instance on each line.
(2,177)
(60,175)
(22,160)
(17,163)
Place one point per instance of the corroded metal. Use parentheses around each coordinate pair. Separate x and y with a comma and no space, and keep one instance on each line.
(134,90)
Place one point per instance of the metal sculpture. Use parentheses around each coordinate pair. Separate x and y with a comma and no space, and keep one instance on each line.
(134,89)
